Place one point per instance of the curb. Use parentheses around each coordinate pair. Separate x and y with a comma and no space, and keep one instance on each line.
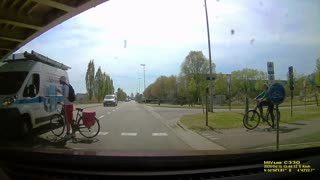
(195,140)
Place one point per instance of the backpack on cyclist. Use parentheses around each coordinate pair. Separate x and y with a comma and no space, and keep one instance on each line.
(71,95)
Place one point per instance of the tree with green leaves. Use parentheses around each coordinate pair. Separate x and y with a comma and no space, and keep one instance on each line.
(196,67)
(121,95)
(159,89)
(247,81)
(192,90)
(108,86)
(220,84)
(99,85)
(182,89)
(90,79)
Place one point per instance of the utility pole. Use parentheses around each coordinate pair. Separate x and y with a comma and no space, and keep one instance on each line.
(210,62)
(139,85)
(144,79)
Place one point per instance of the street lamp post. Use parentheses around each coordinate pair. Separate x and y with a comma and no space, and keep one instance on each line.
(210,62)
(144,78)
(139,84)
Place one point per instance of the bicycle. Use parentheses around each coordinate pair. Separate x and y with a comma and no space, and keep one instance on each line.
(57,124)
(251,119)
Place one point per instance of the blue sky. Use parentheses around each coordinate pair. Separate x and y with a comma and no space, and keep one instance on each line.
(160,34)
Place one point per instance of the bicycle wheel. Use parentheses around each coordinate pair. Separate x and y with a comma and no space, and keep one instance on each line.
(269,120)
(251,119)
(88,132)
(57,124)
(276,117)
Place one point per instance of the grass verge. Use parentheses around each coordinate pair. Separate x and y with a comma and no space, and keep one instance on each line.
(233,119)
(228,119)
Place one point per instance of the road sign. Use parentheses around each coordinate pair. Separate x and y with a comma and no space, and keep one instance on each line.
(270,68)
(277,93)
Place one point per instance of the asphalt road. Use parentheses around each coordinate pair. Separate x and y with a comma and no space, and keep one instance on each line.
(133,126)
(130,126)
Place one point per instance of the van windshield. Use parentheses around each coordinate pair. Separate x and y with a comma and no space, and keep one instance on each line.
(109,97)
(11,82)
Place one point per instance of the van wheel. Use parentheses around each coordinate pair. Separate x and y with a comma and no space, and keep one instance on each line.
(25,127)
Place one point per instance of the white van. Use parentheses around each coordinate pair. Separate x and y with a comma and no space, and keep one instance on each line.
(28,92)
(110,99)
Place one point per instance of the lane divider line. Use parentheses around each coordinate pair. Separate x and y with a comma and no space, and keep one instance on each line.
(128,134)
(159,134)
(213,138)
(101,116)
(103,133)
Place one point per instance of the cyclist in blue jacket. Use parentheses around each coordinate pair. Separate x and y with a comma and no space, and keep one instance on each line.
(263,99)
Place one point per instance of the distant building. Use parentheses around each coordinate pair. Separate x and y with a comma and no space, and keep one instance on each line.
(81,96)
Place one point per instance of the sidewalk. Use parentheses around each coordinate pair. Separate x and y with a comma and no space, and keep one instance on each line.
(241,138)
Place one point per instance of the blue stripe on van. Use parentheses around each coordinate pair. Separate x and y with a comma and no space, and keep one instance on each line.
(32,100)
(39,99)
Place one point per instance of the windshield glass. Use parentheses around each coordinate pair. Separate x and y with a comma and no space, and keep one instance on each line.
(11,82)
(187,75)
(109,97)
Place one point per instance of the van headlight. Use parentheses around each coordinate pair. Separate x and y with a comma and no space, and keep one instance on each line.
(8,101)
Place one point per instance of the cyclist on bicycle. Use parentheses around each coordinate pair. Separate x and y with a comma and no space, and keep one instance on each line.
(263,99)
(68,107)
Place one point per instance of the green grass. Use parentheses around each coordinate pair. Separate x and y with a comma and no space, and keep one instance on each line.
(215,120)
(237,106)
(176,106)
(233,119)
(300,113)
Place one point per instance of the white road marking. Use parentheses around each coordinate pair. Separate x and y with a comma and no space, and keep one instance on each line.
(205,134)
(210,136)
(103,133)
(108,112)
(101,116)
(128,134)
(113,110)
(100,133)
(213,138)
(159,134)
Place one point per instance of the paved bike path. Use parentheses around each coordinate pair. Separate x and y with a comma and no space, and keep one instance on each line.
(241,138)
